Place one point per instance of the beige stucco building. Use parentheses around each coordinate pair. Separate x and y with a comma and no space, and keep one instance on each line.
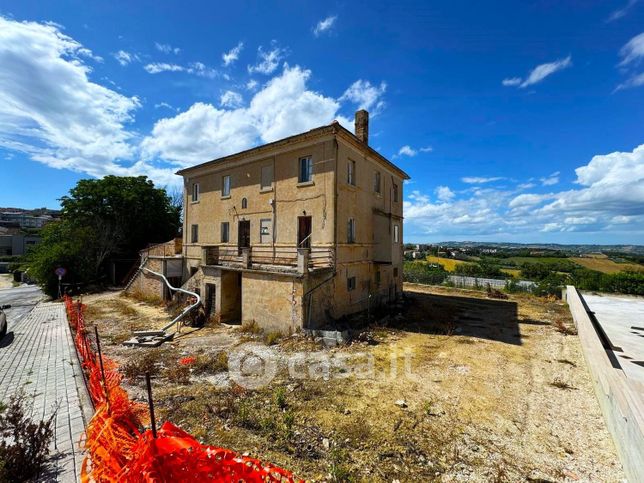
(296,233)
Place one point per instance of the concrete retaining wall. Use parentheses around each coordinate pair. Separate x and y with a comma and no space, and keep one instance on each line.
(463,281)
(620,398)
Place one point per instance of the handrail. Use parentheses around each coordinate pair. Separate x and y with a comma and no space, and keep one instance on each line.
(176,289)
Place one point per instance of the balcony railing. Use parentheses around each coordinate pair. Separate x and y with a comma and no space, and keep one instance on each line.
(266,258)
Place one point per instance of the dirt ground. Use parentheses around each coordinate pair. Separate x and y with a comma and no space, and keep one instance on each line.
(450,386)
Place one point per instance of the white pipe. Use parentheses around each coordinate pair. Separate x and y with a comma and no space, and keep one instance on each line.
(176,289)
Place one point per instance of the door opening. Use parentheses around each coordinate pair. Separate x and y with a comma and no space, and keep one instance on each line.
(243,235)
(304,232)
(210,305)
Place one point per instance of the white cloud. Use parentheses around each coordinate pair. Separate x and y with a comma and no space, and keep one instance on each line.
(619,13)
(580,220)
(157,67)
(284,106)
(163,104)
(528,200)
(621,219)
(267,61)
(550,180)
(54,113)
(539,73)
(407,151)
(196,68)
(202,70)
(251,85)
(633,51)
(51,110)
(324,25)
(233,54)
(512,81)
(231,99)
(124,58)
(167,49)
(426,149)
(443,193)
(634,81)
(481,179)
(365,95)
(609,199)
(525,186)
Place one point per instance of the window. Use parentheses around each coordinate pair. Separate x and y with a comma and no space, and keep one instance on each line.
(395,192)
(194,234)
(244,203)
(396,234)
(378,278)
(225,185)
(396,272)
(265,230)
(351,231)
(376,182)
(225,232)
(351,172)
(195,192)
(306,170)
(267,177)
(351,283)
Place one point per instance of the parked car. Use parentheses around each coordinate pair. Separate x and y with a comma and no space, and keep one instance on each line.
(3,320)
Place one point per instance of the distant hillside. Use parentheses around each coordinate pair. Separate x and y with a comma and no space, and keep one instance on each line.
(34,212)
(581,249)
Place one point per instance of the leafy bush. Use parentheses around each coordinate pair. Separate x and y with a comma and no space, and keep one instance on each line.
(421,272)
(551,285)
(483,269)
(24,443)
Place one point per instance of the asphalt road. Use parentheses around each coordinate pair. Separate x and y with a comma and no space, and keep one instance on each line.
(22,300)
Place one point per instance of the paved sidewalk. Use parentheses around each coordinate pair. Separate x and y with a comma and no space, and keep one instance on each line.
(38,354)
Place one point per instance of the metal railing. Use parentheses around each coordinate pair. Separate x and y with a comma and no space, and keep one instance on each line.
(260,256)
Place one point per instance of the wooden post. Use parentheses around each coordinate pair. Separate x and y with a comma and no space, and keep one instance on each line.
(153,423)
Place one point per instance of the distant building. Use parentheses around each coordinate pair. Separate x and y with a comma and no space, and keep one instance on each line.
(24,220)
(17,244)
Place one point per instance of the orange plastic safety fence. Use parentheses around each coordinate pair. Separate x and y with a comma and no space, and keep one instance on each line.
(119,449)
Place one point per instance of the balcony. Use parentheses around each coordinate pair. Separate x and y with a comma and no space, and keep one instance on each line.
(284,259)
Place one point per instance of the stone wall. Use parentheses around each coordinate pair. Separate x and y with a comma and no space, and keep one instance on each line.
(273,301)
(148,285)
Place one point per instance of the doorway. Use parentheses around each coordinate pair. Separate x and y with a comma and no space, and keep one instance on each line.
(243,235)
(210,303)
(231,297)
(304,232)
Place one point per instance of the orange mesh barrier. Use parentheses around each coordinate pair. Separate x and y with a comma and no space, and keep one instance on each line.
(120,449)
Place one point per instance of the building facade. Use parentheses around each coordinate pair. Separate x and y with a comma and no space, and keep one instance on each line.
(296,233)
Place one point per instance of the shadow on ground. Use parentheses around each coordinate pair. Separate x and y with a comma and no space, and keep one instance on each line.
(6,340)
(462,316)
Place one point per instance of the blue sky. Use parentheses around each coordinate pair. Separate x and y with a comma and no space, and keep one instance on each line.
(517,121)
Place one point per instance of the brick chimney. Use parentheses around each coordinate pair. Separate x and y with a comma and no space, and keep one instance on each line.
(362,126)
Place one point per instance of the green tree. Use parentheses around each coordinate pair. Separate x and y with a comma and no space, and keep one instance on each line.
(102,219)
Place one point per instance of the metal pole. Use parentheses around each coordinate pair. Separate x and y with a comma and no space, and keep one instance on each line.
(153,423)
(100,360)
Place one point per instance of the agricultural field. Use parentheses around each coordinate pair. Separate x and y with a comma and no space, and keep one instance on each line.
(545,260)
(513,272)
(606,265)
(448,264)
